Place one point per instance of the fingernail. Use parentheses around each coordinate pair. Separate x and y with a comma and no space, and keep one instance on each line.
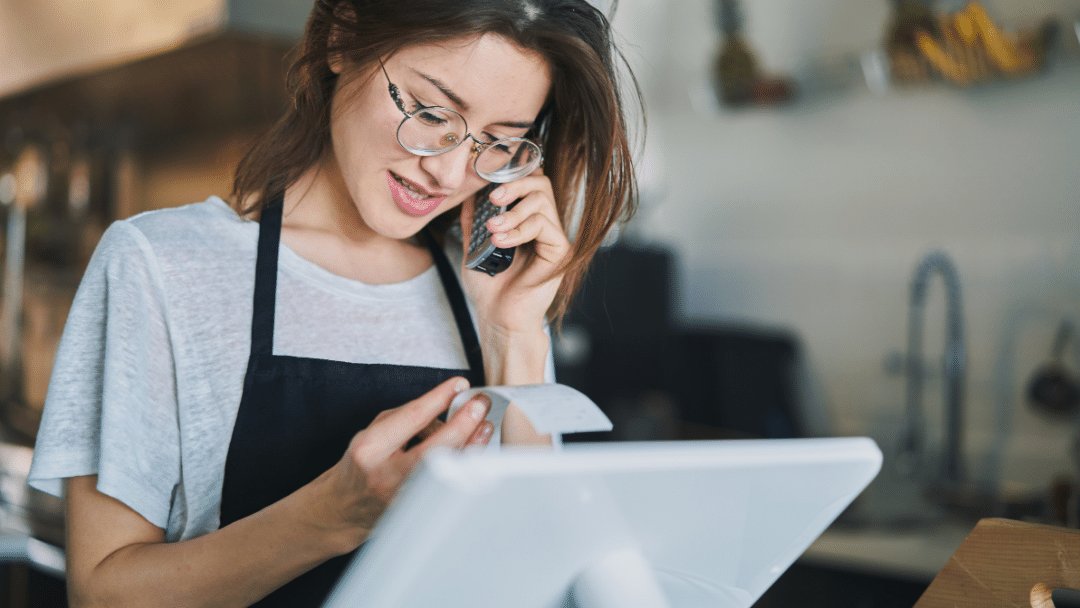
(460,385)
(498,193)
(478,409)
(485,433)
(497,220)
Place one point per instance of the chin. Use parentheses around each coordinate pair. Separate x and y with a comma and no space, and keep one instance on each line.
(397,225)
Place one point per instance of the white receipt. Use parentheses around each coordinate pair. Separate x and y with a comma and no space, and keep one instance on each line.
(551,408)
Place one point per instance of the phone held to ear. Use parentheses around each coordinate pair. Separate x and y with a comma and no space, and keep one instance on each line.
(483,255)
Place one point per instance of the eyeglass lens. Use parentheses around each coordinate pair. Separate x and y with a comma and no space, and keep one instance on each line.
(432,131)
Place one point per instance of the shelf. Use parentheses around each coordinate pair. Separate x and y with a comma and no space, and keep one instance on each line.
(821,80)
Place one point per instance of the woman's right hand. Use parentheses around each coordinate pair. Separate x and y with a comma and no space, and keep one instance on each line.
(379,460)
(118,558)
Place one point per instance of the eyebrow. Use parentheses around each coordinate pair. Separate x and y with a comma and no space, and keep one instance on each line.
(460,103)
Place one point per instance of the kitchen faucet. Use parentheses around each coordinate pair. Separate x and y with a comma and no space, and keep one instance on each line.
(951,472)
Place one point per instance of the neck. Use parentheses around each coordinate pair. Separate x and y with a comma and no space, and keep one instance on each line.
(321,223)
(320,201)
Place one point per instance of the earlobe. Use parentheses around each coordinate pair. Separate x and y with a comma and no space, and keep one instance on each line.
(335,56)
(336,62)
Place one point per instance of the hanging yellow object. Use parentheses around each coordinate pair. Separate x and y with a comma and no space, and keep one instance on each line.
(965,27)
(942,61)
(999,46)
(972,41)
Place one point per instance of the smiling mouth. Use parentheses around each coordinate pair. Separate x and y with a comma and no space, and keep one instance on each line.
(410,198)
(417,192)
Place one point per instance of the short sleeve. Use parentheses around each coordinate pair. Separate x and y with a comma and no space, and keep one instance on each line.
(111,406)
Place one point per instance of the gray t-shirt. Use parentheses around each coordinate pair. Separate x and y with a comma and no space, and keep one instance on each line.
(150,369)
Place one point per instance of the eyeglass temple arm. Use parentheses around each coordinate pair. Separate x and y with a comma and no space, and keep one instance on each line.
(394,93)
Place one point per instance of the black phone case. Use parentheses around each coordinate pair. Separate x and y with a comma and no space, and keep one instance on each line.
(482,254)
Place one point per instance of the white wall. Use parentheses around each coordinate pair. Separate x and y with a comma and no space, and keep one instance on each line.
(814,216)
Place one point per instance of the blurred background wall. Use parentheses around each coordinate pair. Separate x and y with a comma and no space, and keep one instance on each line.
(813,216)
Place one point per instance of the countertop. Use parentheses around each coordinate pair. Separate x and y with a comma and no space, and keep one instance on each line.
(916,553)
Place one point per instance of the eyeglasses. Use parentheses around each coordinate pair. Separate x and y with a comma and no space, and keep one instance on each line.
(434,130)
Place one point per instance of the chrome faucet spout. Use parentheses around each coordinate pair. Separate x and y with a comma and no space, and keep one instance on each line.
(952,468)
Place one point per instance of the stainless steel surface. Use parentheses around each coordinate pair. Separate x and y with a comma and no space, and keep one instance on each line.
(31,522)
(12,273)
(951,472)
(41,556)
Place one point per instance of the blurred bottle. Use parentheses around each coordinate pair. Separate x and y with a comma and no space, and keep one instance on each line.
(735,69)
(736,77)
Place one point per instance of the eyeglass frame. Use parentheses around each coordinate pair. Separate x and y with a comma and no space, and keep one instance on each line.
(478,146)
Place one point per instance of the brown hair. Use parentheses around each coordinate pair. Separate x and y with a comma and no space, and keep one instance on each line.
(582,126)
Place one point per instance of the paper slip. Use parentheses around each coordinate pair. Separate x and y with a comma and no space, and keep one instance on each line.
(551,408)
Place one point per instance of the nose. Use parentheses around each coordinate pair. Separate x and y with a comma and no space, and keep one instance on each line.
(451,169)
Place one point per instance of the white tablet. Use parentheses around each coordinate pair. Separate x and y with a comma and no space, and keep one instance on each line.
(650,525)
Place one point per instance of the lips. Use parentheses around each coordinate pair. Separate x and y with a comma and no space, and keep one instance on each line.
(412,199)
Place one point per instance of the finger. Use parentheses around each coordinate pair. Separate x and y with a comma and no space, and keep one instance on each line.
(392,432)
(383,414)
(465,422)
(533,203)
(549,240)
(519,188)
(482,435)
(430,429)
(424,434)
(456,432)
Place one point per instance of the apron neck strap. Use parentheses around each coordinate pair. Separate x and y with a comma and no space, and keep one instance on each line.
(457,304)
(262,318)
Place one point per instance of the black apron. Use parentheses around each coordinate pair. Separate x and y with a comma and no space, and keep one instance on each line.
(297,415)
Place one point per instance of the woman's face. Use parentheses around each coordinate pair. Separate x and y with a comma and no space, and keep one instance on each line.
(488,80)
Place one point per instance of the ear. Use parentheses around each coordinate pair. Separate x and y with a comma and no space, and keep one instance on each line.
(344,15)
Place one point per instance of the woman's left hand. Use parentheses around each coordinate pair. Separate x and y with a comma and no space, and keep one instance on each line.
(515,301)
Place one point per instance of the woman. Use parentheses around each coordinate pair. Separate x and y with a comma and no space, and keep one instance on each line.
(239,394)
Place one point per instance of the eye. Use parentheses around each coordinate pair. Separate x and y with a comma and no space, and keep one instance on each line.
(433,119)
(430,118)
(505,149)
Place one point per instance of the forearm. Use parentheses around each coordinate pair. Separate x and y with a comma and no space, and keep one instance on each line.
(234,566)
(517,360)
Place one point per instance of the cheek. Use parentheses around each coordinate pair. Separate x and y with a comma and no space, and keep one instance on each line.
(362,137)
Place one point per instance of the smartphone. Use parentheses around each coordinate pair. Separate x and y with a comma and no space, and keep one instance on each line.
(482,254)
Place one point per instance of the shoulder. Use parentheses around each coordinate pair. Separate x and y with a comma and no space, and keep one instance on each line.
(209,221)
(186,238)
(192,245)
